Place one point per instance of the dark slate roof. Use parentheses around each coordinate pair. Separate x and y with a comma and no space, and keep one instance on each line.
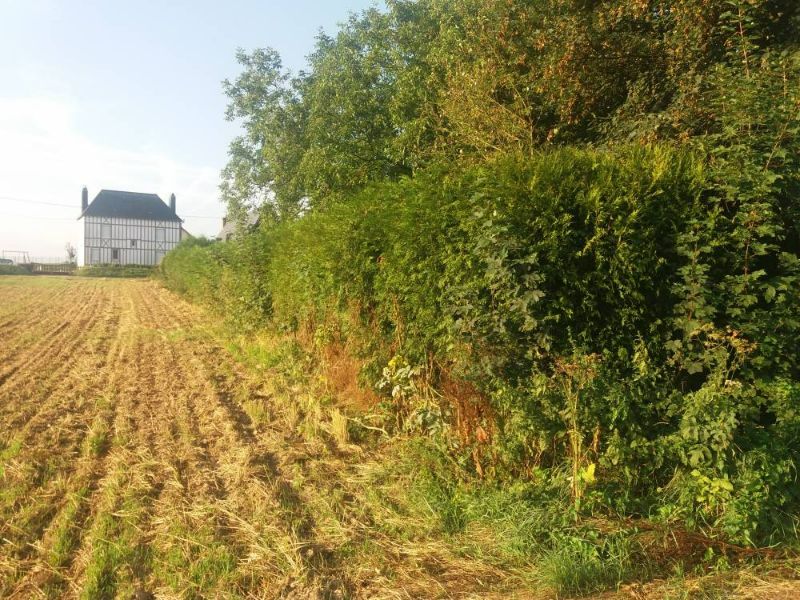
(129,205)
(232,225)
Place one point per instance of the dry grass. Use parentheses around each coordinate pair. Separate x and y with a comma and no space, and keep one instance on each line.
(139,456)
(768,581)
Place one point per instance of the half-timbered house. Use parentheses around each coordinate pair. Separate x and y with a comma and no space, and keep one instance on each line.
(128,228)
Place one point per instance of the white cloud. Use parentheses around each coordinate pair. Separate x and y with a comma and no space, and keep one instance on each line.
(44,157)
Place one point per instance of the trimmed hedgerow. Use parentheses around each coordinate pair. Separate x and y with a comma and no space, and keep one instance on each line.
(566,291)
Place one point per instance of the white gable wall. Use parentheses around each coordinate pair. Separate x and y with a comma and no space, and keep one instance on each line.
(128,241)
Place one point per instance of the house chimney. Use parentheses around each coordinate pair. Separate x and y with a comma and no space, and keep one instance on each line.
(84,199)
(172,202)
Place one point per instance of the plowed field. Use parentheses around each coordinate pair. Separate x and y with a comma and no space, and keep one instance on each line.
(140,459)
(128,467)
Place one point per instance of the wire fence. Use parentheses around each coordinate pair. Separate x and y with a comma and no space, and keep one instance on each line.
(16,257)
(51,260)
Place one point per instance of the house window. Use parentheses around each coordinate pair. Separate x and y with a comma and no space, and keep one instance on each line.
(115,254)
(133,243)
(160,234)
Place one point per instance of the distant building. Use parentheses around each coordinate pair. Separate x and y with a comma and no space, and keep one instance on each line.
(128,228)
(230,226)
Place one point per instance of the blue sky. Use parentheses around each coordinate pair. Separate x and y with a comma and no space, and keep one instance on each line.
(127,95)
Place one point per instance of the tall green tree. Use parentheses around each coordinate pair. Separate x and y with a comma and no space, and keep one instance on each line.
(262,171)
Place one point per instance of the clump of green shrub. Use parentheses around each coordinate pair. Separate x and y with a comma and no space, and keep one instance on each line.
(193,269)
(591,298)
(13,270)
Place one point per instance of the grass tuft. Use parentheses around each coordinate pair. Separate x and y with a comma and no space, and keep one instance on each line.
(67,532)
(579,566)
(339,430)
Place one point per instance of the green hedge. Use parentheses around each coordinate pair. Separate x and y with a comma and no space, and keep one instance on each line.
(193,269)
(115,271)
(559,286)
(13,270)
